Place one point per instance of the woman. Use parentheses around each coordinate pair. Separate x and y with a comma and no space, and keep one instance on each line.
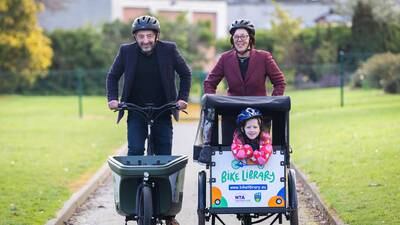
(245,68)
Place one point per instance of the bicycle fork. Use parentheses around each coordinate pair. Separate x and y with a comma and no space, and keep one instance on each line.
(144,203)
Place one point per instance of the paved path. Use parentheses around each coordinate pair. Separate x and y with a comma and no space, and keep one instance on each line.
(99,209)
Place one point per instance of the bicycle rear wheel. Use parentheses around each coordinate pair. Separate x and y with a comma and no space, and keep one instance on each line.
(201,198)
(294,217)
(145,211)
(246,220)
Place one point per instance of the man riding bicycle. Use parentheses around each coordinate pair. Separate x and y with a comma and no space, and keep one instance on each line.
(149,67)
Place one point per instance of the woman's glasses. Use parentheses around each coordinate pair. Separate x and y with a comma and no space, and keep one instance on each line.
(241,37)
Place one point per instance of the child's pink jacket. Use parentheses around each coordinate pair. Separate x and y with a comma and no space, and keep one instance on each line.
(241,150)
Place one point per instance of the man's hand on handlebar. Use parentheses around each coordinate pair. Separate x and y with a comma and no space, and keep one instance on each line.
(116,106)
(113,104)
(181,104)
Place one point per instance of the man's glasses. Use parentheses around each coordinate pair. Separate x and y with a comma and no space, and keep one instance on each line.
(241,37)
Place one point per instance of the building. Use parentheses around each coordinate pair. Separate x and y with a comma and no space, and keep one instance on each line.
(261,12)
(78,13)
(220,13)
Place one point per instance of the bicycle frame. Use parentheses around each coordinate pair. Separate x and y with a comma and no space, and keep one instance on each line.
(145,209)
(150,114)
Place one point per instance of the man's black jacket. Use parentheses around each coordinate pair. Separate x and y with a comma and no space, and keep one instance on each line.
(169,60)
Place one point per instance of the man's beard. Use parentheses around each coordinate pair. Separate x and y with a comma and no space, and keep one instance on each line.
(148,49)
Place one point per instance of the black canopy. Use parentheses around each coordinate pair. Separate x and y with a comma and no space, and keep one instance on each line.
(236,103)
(218,120)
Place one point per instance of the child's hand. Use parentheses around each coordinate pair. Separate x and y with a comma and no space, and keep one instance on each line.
(238,154)
(259,157)
(242,152)
(248,150)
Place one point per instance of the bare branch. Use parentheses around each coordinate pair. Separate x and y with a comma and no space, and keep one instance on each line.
(54,5)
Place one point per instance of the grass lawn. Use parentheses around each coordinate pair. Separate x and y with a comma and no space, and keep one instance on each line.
(351,153)
(46,151)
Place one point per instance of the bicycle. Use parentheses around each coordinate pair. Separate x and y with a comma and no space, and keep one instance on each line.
(253,193)
(148,189)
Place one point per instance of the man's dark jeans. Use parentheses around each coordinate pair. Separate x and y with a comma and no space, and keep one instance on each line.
(161,134)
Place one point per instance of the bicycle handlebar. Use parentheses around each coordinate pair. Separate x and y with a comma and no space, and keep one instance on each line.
(131,106)
(149,112)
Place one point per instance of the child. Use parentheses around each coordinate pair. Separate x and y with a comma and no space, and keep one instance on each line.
(249,140)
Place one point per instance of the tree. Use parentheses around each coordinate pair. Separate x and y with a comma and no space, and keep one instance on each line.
(54,5)
(382,11)
(193,40)
(375,26)
(366,31)
(284,30)
(114,34)
(80,48)
(24,50)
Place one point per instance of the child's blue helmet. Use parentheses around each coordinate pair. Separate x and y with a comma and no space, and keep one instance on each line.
(246,114)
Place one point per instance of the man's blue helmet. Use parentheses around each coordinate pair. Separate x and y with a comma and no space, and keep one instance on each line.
(246,114)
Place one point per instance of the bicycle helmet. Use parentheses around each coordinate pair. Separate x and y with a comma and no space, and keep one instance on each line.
(246,114)
(242,23)
(145,23)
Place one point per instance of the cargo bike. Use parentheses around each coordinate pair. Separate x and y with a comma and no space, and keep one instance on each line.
(254,193)
(148,189)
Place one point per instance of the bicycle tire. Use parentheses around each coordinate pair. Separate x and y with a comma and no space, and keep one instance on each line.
(294,217)
(246,220)
(201,198)
(145,211)
(293,202)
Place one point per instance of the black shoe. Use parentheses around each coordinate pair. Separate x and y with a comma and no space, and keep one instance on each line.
(172,221)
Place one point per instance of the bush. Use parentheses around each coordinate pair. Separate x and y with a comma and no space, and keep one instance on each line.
(264,40)
(314,52)
(80,48)
(70,82)
(379,71)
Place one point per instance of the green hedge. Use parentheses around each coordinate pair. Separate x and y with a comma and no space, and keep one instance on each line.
(379,71)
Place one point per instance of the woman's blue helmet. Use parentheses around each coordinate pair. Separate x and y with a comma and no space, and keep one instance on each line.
(246,114)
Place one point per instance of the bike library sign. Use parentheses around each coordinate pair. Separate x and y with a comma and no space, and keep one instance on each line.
(238,184)
(247,175)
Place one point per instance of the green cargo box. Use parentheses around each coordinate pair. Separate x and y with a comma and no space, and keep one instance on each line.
(166,172)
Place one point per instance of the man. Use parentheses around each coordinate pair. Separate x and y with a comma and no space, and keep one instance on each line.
(149,67)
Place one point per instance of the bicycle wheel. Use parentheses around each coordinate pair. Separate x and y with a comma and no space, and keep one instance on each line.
(294,217)
(201,198)
(246,220)
(145,211)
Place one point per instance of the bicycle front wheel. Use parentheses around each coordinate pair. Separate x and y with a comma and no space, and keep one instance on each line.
(145,211)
